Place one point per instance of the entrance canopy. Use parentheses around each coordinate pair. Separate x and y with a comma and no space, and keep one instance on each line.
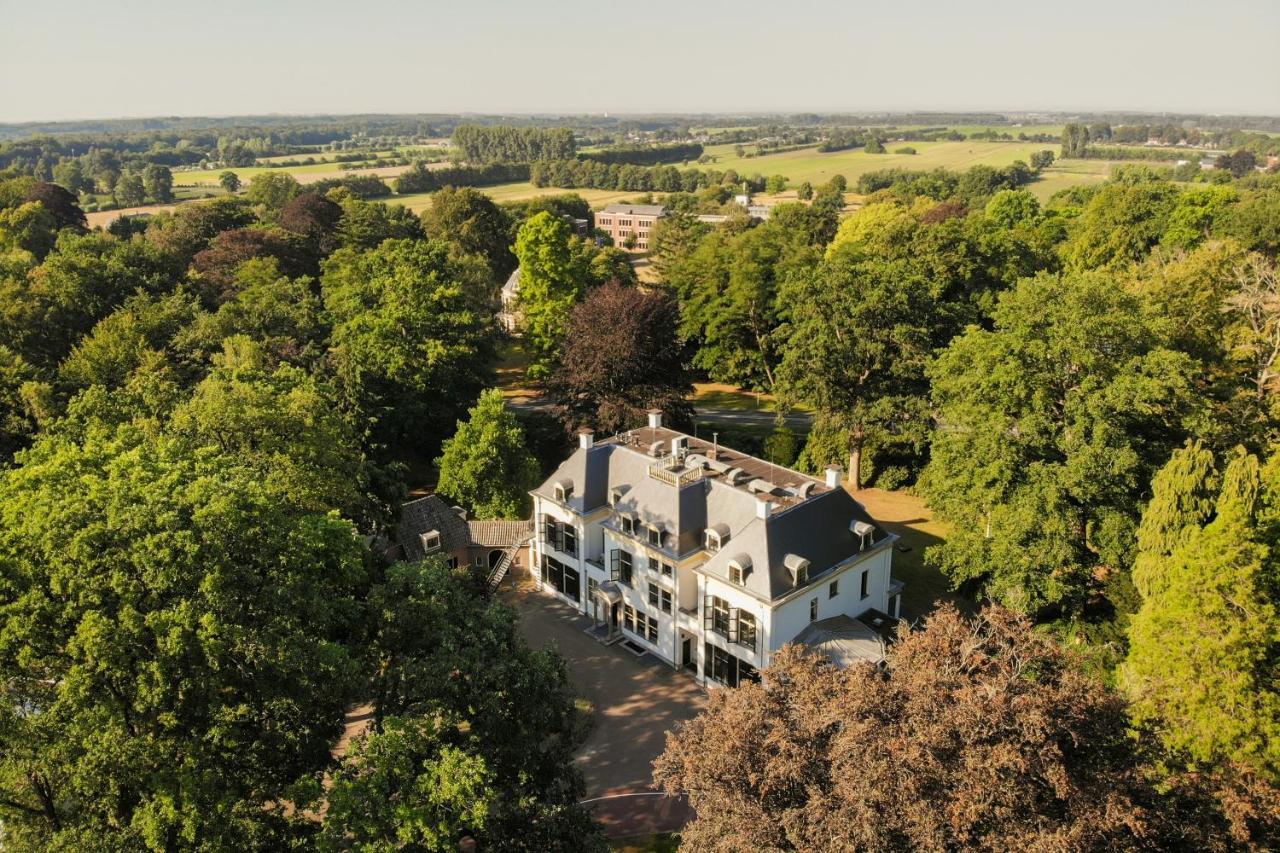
(609,592)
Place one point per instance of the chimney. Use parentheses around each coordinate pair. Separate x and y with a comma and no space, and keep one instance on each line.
(833,476)
(763,507)
(586,438)
(655,418)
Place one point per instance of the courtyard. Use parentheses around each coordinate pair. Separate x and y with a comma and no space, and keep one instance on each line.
(635,701)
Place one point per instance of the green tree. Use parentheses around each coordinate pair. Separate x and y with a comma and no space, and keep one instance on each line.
(858,340)
(549,285)
(130,191)
(230,181)
(411,338)
(486,465)
(875,146)
(491,750)
(172,646)
(775,184)
(1055,421)
(470,220)
(805,191)
(1203,647)
(157,180)
(1120,224)
(271,190)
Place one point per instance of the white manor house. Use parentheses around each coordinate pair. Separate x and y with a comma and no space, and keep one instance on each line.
(709,559)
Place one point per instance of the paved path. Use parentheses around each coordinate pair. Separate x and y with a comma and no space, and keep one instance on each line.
(636,701)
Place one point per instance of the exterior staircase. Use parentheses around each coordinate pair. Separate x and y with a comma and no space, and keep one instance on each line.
(500,571)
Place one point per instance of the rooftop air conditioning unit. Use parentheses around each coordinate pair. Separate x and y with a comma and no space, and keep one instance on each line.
(655,449)
(762,486)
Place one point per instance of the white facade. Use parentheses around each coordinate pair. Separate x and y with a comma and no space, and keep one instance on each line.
(654,583)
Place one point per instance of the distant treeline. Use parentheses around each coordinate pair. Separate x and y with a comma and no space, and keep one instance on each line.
(508,144)
(979,182)
(361,186)
(590,174)
(646,155)
(420,179)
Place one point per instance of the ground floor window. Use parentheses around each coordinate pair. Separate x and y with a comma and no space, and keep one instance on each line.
(727,669)
(640,623)
(563,579)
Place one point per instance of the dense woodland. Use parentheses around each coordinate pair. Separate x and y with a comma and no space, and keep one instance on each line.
(208,418)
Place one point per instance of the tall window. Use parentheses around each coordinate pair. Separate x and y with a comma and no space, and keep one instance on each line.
(865,582)
(813,610)
(563,579)
(620,566)
(833,589)
(717,615)
(746,630)
(569,540)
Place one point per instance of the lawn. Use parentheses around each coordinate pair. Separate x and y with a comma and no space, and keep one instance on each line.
(313,172)
(910,518)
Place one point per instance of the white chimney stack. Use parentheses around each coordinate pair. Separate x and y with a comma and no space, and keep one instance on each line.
(833,476)
(763,507)
(655,418)
(586,438)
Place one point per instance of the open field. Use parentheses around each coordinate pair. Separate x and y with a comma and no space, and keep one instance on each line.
(810,165)
(419,202)
(304,174)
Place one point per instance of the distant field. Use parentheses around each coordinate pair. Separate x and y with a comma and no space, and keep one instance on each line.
(517,192)
(304,174)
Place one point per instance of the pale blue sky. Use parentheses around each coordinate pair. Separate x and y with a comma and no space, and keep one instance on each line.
(109,58)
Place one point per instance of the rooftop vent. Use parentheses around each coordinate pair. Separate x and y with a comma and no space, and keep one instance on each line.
(736,475)
(697,460)
(802,491)
(462,513)
(655,449)
(762,486)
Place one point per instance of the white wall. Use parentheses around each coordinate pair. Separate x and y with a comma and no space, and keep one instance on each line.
(792,617)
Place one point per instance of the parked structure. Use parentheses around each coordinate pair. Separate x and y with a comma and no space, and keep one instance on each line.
(629,224)
(710,559)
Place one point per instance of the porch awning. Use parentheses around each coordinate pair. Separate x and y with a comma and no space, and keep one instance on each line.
(610,592)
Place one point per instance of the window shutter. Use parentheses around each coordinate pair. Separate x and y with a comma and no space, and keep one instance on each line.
(615,563)
(708,613)
(733,624)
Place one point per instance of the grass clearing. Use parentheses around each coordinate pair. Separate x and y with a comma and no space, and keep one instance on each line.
(908,516)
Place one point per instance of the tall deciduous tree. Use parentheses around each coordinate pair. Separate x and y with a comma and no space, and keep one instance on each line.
(858,340)
(1052,425)
(981,735)
(469,219)
(412,338)
(549,284)
(486,465)
(622,356)
(172,655)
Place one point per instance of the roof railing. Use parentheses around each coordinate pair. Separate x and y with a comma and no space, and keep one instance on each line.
(678,479)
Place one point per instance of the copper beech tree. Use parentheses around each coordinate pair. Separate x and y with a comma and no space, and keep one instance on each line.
(979,735)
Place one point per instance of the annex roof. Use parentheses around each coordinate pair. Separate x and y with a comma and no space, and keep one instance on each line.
(426,514)
(843,639)
(500,533)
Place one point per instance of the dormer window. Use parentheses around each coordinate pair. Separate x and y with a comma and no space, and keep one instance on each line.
(739,568)
(716,537)
(798,567)
(655,536)
(430,541)
(628,524)
(563,490)
(615,495)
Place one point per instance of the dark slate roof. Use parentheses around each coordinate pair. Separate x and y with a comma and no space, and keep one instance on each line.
(500,533)
(805,517)
(430,513)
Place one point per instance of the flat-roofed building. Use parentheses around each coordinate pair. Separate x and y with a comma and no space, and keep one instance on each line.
(629,225)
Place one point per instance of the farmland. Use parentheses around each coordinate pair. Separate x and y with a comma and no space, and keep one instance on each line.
(810,165)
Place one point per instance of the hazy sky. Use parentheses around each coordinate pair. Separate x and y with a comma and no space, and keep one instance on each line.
(109,58)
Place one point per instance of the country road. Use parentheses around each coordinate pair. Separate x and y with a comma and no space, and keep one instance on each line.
(800,421)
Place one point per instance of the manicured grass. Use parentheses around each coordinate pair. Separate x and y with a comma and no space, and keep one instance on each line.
(910,518)
(717,395)
(513,361)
